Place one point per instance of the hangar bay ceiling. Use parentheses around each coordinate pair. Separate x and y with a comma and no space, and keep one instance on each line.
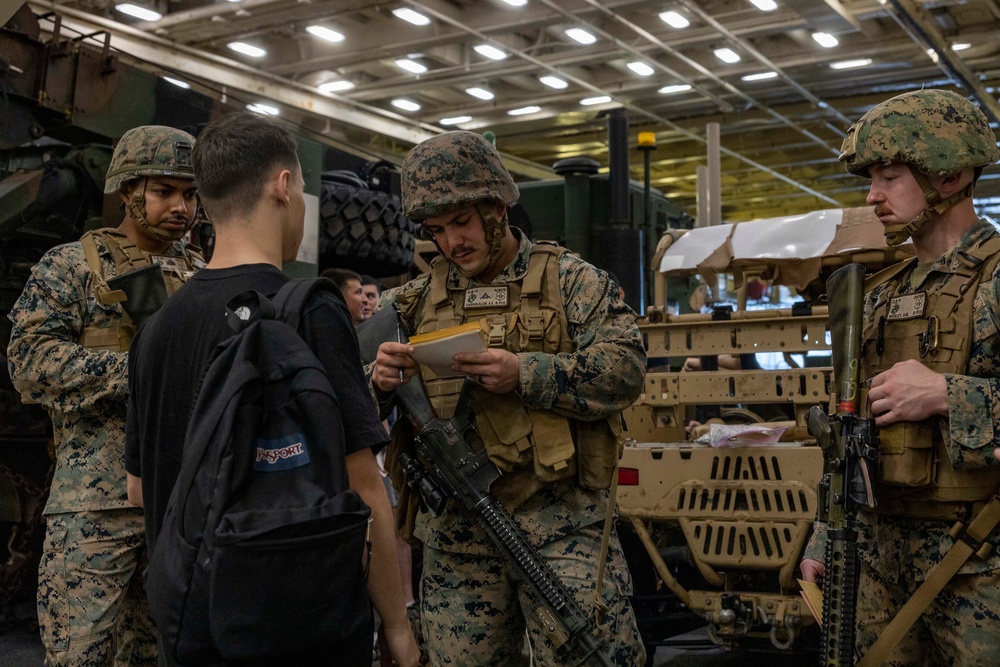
(784,79)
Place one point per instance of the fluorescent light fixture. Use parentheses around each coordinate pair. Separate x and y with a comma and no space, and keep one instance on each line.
(674,20)
(481,93)
(580,35)
(455,121)
(848,64)
(764,5)
(410,66)
(553,82)
(727,55)
(933,54)
(177,82)
(523,110)
(410,16)
(235,0)
(601,99)
(324,33)
(760,76)
(490,52)
(640,68)
(677,88)
(247,50)
(516,3)
(961,46)
(139,12)
(263,109)
(825,39)
(405,105)
(335,86)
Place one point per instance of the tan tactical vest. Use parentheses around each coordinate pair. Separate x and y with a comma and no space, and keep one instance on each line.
(915,475)
(127,257)
(525,316)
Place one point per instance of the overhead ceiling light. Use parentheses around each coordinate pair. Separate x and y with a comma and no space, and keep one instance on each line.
(678,88)
(848,64)
(177,82)
(601,99)
(516,3)
(961,46)
(553,82)
(455,121)
(640,68)
(580,35)
(825,39)
(490,52)
(263,109)
(481,93)
(674,20)
(324,33)
(139,12)
(410,16)
(247,50)
(760,76)
(410,66)
(523,110)
(335,86)
(933,54)
(405,105)
(727,55)
(764,5)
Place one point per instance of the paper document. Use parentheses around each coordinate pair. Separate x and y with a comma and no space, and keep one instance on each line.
(814,599)
(435,350)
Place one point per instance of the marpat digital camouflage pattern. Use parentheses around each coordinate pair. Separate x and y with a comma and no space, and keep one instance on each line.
(150,150)
(452,170)
(937,131)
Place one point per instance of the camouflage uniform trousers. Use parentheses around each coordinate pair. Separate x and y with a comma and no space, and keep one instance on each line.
(472,614)
(960,628)
(92,605)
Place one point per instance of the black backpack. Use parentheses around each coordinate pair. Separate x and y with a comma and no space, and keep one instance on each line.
(262,551)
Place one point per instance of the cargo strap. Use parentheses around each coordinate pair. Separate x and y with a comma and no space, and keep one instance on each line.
(600,609)
(968,540)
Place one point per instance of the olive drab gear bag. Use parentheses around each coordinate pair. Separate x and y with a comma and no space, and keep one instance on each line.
(263,548)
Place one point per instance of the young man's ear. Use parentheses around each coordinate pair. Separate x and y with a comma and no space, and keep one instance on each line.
(281,187)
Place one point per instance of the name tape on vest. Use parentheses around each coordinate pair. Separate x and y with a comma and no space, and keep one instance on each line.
(280,454)
(486,297)
(907,307)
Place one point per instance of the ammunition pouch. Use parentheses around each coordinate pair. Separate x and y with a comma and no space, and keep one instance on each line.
(907,454)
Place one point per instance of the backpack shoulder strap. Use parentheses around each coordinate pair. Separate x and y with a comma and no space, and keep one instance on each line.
(291,299)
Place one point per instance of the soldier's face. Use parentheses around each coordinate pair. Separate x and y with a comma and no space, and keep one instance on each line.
(354,298)
(461,237)
(170,203)
(894,194)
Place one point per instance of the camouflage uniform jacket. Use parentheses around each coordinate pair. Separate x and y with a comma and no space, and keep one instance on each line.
(908,549)
(85,391)
(603,376)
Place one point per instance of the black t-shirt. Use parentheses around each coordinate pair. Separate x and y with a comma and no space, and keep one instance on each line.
(171,352)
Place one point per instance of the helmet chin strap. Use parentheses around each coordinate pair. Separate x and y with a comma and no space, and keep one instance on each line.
(897,233)
(136,208)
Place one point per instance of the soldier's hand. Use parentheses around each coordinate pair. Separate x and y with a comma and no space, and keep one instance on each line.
(996,453)
(909,391)
(812,570)
(495,369)
(393,366)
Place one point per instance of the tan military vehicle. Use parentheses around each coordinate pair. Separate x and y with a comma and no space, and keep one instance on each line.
(723,525)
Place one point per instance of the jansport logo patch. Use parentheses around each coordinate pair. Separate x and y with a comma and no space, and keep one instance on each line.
(280,453)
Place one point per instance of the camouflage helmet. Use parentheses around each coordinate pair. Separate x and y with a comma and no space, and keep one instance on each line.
(938,132)
(452,170)
(150,150)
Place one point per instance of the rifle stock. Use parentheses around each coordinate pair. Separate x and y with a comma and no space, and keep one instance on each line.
(466,475)
(847,441)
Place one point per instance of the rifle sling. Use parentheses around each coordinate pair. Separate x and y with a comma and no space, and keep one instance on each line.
(599,607)
(967,542)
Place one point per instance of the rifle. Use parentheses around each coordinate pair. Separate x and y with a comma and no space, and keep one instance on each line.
(458,471)
(849,445)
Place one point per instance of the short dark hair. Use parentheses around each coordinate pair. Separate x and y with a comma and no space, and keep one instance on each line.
(370,280)
(341,276)
(233,158)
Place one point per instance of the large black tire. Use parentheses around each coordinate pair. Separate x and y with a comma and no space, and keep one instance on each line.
(363,230)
